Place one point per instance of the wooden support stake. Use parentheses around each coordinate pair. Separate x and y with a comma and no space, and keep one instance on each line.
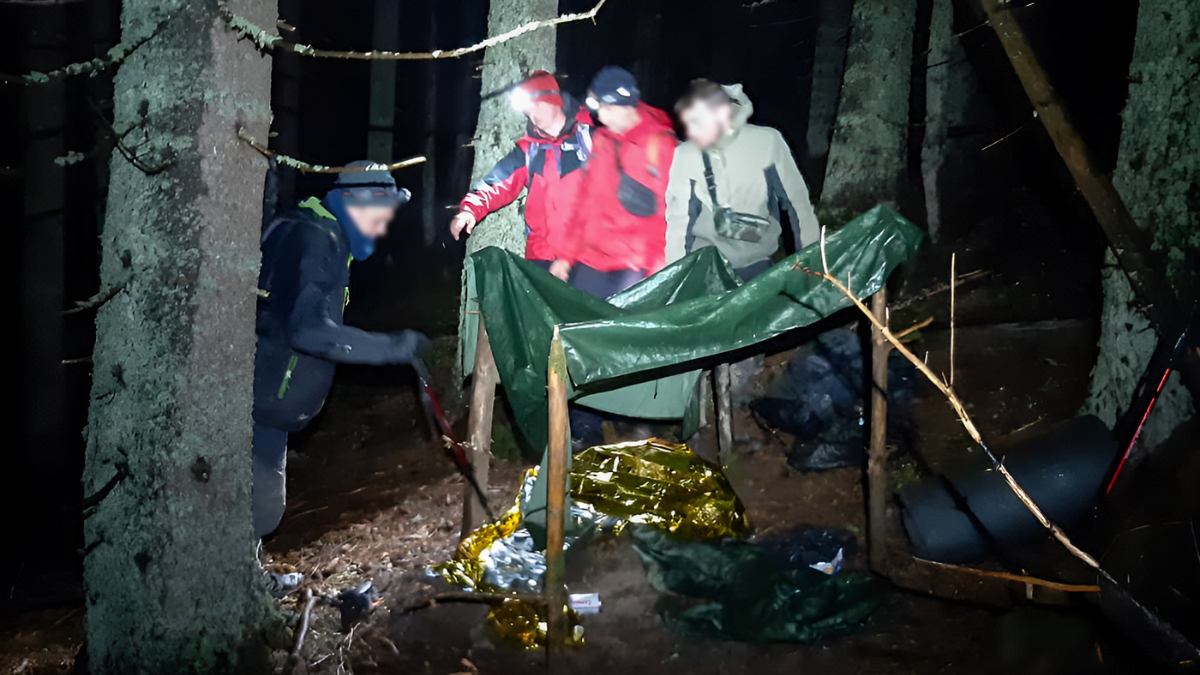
(479,428)
(556,497)
(877,453)
(724,411)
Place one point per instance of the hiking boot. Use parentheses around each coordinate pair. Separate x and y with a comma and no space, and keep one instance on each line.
(279,585)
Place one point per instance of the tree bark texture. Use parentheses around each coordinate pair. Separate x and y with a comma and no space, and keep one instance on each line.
(869,153)
(499,125)
(1158,177)
(172,586)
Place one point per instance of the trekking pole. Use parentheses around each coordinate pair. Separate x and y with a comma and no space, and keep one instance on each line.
(454,448)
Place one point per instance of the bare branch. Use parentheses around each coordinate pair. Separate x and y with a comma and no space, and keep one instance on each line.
(103,296)
(305,167)
(966,421)
(269,41)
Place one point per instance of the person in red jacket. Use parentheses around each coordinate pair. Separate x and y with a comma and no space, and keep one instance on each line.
(618,235)
(548,161)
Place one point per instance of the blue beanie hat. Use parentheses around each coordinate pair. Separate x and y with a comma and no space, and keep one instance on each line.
(373,186)
(613,85)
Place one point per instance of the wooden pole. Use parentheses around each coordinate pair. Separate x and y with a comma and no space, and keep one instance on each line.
(724,410)
(556,497)
(1127,240)
(877,453)
(479,428)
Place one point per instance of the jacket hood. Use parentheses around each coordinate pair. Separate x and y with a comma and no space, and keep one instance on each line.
(742,107)
(576,113)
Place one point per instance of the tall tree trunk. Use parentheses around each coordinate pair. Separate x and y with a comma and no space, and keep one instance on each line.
(172,585)
(381,121)
(829,64)
(869,154)
(503,66)
(1158,176)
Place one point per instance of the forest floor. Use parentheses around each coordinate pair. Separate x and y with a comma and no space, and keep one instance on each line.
(372,497)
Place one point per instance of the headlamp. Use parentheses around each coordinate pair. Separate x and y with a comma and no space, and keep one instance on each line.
(522,100)
(592,103)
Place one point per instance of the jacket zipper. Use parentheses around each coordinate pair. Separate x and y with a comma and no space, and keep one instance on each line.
(287,377)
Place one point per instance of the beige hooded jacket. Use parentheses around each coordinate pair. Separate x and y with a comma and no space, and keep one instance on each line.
(755,173)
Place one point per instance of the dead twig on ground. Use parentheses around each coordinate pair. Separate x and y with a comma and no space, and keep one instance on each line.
(472,597)
(960,409)
(268,41)
(1020,578)
(305,615)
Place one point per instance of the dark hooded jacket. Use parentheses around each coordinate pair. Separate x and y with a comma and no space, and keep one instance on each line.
(302,293)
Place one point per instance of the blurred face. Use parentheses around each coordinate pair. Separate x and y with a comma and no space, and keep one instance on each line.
(619,118)
(706,124)
(371,221)
(546,116)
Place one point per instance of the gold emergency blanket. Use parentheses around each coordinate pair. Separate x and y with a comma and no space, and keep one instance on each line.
(650,482)
(658,483)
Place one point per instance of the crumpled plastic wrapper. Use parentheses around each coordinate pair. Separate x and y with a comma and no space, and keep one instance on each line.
(650,482)
(657,483)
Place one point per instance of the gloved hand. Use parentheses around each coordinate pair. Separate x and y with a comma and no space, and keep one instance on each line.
(408,345)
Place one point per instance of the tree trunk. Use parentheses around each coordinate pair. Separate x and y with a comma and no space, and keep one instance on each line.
(1158,176)
(499,125)
(172,586)
(503,66)
(869,154)
(829,64)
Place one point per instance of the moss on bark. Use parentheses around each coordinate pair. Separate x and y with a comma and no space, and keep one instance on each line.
(172,586)
(1158,176)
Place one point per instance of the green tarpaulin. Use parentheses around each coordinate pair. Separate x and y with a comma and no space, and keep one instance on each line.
(631,354)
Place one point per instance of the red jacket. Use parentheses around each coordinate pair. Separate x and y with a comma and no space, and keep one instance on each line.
(604,234)
(552,170)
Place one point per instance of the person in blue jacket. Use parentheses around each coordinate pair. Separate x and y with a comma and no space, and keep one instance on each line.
(306,256)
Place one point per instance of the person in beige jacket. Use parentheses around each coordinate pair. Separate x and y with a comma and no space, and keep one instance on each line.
(747,171)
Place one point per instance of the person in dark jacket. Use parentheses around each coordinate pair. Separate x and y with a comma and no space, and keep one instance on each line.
(547,161)
(618,234)
(306,256)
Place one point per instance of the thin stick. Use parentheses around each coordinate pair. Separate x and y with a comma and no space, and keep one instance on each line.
(115,55)
(914,328)
(309,601)
(1032,581)
(952,285)
(270,41)
(473,597)
(965,419)
(305,167)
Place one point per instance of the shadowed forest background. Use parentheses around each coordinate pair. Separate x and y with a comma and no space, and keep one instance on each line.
(980,174)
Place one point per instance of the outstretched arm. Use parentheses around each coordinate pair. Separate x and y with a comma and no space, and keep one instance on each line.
(498,188)
(315,332)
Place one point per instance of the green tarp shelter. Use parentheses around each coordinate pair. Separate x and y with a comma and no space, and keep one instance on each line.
(636,353)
